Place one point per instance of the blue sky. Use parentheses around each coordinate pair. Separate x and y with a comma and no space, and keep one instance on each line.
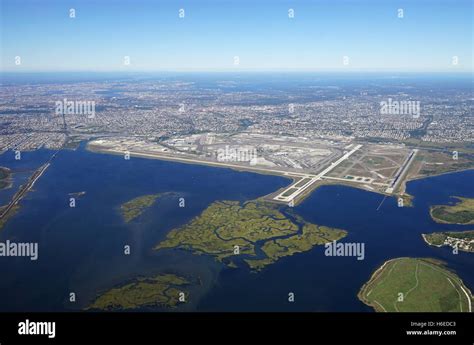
(213,32)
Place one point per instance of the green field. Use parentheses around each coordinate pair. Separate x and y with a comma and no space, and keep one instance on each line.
(416,285)
(435,238)
(462,212)
(162,290)
(302,182)
(289,192)
(225,225)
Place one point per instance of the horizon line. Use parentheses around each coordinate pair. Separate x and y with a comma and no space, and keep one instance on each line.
(348,71)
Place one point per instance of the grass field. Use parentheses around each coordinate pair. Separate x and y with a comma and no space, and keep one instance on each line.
(416,285)
(289,192)
(302,182)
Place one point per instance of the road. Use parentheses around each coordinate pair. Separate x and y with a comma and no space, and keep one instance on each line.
(26,188)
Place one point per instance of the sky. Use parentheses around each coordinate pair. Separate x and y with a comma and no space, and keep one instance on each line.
(228,35)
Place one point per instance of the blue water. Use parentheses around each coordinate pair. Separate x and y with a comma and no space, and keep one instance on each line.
(322,283)
(81,248)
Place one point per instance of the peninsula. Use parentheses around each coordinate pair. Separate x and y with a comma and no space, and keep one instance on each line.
(462,240)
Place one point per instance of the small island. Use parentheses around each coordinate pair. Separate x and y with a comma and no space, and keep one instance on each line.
(258,232)
(134,208)
(462,240)
(162,290)
(77,194)
(416,285)
(462,212)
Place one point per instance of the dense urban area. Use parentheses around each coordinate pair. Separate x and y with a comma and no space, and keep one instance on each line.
(159,109)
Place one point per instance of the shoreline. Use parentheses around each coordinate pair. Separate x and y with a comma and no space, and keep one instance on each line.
(438,174)
(13,206)
(431,244)
(292,176)
(361,294)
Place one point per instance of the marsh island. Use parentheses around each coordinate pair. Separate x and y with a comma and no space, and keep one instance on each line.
(161,290)
(134,208)
(258,232)
(462,212)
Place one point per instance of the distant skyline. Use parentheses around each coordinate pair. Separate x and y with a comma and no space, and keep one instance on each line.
(231,35)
